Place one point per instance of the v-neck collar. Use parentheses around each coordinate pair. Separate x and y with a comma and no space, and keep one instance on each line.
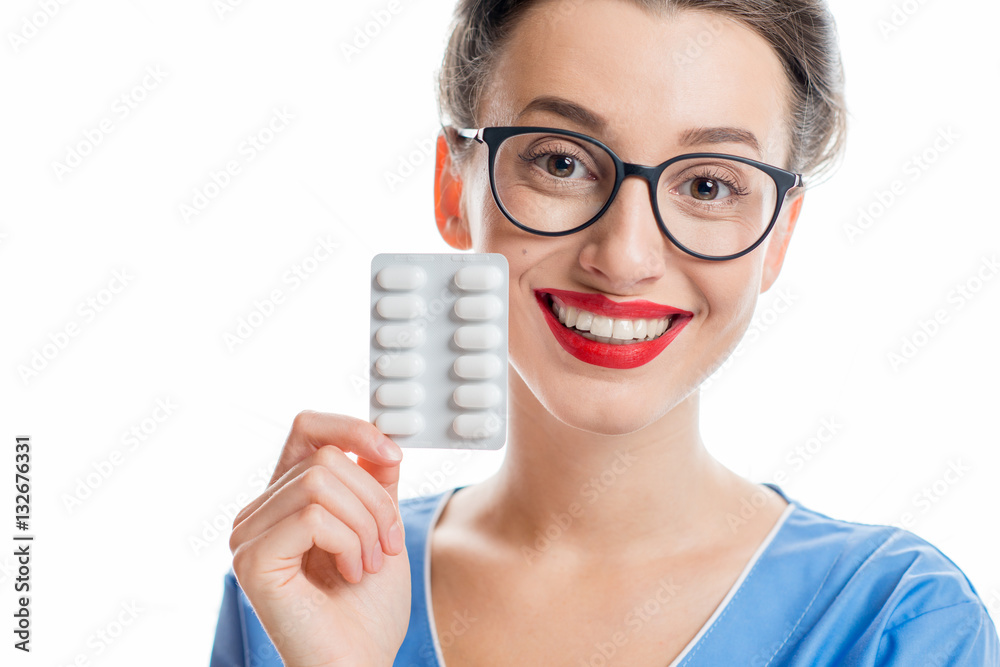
(754,559)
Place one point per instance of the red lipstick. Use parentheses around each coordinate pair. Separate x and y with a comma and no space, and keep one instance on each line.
(608,355)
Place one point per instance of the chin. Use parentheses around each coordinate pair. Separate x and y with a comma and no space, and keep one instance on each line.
(613,410)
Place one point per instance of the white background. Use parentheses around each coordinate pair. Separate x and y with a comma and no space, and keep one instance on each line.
(357,119)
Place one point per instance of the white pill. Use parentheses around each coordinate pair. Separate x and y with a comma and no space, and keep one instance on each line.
(479,277)
(402,277)
(400,307)
(400,394)
(485,307)
(482,337)
(393,336)
(479,425)
(400,423)
(477,396)
(477,366)
(406,365)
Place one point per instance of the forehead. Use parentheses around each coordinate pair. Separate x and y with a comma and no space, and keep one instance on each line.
(653,79)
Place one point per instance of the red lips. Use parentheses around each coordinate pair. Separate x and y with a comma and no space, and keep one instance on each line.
(609,355)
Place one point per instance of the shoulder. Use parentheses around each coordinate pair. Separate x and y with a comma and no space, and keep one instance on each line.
(887,560)
(878,567)
(889,595)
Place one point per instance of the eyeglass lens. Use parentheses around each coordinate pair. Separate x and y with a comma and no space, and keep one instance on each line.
(554,183)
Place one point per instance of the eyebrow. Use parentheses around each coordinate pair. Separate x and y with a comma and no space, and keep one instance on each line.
(721,135)
(567,109)
(596,123)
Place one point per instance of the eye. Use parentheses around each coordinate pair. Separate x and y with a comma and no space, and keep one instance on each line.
(706,189)
(562,166)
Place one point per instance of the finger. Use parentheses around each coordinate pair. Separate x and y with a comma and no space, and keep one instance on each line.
(316,485)
(278,550)
(313,430)
(370,493)
(387,476)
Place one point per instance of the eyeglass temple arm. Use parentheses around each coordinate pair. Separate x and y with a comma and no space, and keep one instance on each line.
(471,133)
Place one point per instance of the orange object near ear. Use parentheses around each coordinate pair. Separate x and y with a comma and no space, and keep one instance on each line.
(447,200)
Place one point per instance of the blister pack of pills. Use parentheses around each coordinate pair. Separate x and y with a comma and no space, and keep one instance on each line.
(439,349)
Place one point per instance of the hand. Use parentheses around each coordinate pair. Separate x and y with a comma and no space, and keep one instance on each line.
(317,553)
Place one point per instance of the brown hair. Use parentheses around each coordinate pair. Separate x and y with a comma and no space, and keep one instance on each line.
(801,32)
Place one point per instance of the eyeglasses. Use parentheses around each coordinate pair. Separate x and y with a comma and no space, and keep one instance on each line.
(555,182)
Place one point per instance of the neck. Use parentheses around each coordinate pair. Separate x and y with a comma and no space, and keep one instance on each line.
(565,492)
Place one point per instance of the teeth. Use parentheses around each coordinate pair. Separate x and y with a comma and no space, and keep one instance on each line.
(623,330)
(606,329)
(602,326)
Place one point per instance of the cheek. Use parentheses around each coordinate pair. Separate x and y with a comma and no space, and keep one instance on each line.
(729,292)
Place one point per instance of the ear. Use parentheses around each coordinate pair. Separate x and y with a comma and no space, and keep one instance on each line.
(781,235)
(451,223)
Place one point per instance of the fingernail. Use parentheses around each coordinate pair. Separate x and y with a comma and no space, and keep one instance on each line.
(396,538)
(390,450)
(377,556)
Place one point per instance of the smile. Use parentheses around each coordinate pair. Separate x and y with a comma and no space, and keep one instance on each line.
(607,333)
(606,329)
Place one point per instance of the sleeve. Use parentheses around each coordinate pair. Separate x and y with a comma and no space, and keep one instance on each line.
(955,636)
(228,649)
(240,639)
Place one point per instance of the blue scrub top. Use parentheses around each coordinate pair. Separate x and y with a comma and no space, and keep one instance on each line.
(817,592)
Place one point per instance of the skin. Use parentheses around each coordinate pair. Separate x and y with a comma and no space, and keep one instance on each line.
(669,512)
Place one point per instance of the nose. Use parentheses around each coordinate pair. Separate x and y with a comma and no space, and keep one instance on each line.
(625,249)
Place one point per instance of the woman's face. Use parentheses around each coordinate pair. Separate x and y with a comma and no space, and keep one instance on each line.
(654,84)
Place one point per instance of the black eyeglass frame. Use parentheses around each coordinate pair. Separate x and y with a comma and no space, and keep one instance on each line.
(784,180)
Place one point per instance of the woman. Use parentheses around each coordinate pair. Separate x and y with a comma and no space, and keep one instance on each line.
(610,536)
